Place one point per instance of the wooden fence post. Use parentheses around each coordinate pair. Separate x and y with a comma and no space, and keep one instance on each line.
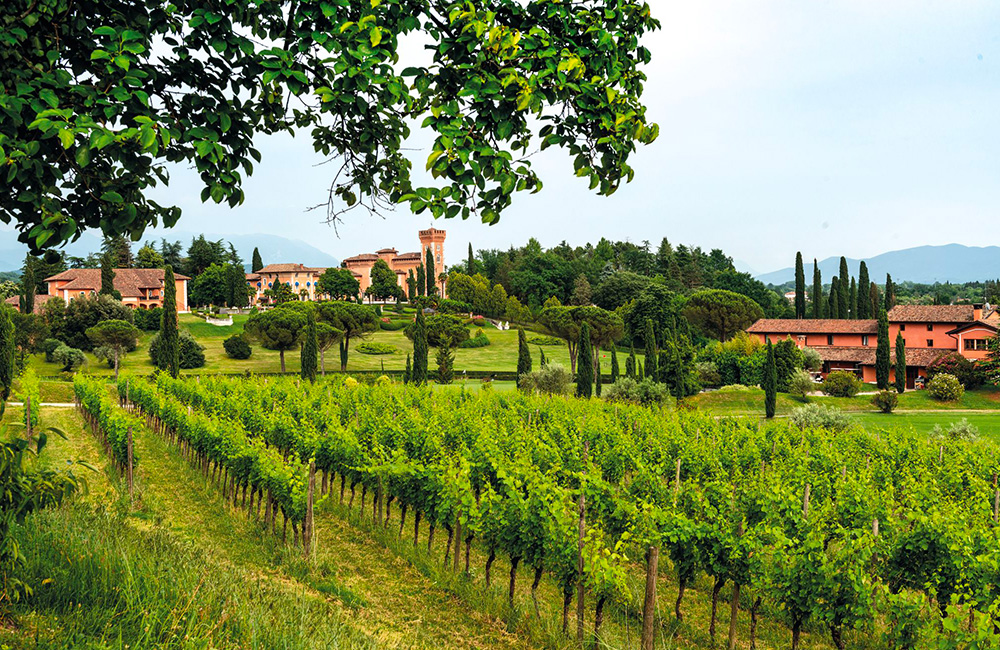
(805,503)
(649,604)
(581,531)
(308,535)
(27,415)
(129,468)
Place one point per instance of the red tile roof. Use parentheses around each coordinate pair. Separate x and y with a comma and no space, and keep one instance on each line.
(932,314)
(975,323)
(866,355)
(386,250)
(289,268)
(128,282)
(813,326)
(40,300)
(364,257)
(408,256)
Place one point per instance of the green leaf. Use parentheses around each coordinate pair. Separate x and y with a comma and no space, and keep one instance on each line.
(376,36)
(112,197)
(83,156)
(104,30)
(99,54)
(66,137)
(123,62)
(49,97)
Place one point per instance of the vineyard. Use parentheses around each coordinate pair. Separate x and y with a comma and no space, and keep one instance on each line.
(873,539)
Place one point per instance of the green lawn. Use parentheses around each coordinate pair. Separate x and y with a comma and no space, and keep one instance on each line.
(500,355)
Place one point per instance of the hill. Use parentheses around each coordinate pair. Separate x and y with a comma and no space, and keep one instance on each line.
(926,264)
(273,248)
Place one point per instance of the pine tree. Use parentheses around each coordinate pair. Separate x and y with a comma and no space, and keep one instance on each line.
(800,287)
(585,366)
(650,359)
(445,362)
(614,365)
(890,293)
(864,304)
(882,352)
(630,368)
(472,261)
(420,349)
(770,382)
(900,363)
(28,286)
(169,336)
(845,289)
(7,366)
(523,354)
(310,351)
(429,275)
(853,305)
(834,310)
(407,371)
(256,263)
(817,292)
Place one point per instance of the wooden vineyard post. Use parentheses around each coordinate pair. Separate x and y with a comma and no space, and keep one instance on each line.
(649,604)
(734,605)
(677,481)
(458,540)
(27,415)
(996,506)
(582,529)
(308,536)
(128,470)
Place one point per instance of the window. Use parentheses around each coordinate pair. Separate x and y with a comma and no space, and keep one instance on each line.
(864,339)
(829,339)
(975,344)
(930,343)
(902,327)
(930,327)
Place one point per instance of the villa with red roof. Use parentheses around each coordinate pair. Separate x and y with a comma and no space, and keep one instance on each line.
(140,288)
(929,331)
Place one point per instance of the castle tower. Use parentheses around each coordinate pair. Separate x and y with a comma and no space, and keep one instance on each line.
(433,239)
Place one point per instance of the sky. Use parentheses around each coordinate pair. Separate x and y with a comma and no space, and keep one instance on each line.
(846,127)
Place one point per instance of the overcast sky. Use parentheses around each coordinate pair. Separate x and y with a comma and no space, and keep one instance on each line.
(844,127)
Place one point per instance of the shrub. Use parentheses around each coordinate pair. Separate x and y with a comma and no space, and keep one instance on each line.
(393,325)
(454,307)
(383,380)
(734,388)
(148,320)
(645,392)
(69,358)
(441,328)
(236,347)
(811,360)
(478,341)
(812,416)
(945,388)
(752,368)
(961,430)
(479,322)
(351,382)
(841,383)
(885,400)
(787,360)
(800,385)
(708,374)
(49,346)
(545,340)
(192,353)
(553,379)
(374,347)
(968,373)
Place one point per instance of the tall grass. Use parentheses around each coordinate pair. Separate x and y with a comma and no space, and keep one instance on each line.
(101,582)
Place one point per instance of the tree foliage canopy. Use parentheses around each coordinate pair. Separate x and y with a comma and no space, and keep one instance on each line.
(93,114)
(720,313)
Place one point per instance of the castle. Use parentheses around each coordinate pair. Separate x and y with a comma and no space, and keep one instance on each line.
(401,263)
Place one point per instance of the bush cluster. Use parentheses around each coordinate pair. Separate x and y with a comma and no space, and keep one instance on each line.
(70,358)
(544,340)
(645,392)
(813,416)
(236,347)
(968,373)
(708,374)
(553,379)
(800,385)
(841,383)
(148,320)
(192,353)
(480,340)
(393,325)
(945,388)
(374,347)
(961,430)
(885,400)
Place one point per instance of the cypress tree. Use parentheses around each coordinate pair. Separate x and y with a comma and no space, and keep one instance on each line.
(108,277)
(256,263)
(597,376)
(585,366)
(542,362)
(890,293)
(834,310)
(420,349)
(28,286)
(421,280)
(630,364)
(663,369)
(445,362)
(472,261)
(854,300)
(429,275)
(874,301)
(6,355)
(650,359)
(800,287)
(523,354)
(864,304)
(640,373)
(770,383)
(817,292)
(310,351)
(614,365)
(900,363)
(882,352)
(407,371)
(844,286)
(169,336)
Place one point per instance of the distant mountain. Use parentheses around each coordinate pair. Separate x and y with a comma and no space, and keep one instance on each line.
(927,264)
(273,248)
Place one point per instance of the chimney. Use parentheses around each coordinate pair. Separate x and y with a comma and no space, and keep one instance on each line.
(977,311)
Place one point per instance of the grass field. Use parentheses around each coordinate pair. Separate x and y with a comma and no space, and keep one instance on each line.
(500,355)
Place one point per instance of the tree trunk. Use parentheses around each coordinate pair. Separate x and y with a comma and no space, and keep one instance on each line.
(734,611)
(402,519)
(649,603)
(281,355)
(681,586)
(344,343)
(838,636)
(534,590)
(489,564)
(430,537)
(753,622)
(447,548)
(567,602)
(416,528)
(514,561)
(598,620)
(343,484)
(468,550)
(719,583)
(796,629)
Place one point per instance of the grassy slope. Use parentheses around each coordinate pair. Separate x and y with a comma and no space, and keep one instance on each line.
(500,355)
